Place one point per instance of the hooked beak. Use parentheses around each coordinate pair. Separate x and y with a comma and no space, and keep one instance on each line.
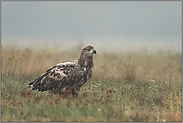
(91,52)
(94,52)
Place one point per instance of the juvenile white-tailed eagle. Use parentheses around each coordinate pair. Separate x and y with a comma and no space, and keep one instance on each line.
(65,76)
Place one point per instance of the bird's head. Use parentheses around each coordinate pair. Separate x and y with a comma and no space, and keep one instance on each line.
(86,56)
(88,51)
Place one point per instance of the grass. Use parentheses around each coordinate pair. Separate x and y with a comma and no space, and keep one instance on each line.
(132,86)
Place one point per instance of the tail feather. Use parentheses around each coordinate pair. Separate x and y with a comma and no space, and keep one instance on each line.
(32,82)
(37,80)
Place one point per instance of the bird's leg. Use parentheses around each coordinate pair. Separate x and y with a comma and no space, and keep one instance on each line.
(74,92)
(60,93)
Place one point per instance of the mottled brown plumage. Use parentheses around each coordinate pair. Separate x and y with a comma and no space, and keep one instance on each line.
(67,75)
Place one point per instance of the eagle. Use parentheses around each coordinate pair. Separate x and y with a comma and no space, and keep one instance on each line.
(71,75)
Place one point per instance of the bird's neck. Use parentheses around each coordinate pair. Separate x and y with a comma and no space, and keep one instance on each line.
(86,62)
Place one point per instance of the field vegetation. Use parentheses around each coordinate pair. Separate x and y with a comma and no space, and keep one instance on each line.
(130,86)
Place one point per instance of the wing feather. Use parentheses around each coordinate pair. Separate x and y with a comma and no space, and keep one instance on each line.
(59,77)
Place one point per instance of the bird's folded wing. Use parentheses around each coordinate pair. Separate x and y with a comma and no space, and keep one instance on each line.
(61,75)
